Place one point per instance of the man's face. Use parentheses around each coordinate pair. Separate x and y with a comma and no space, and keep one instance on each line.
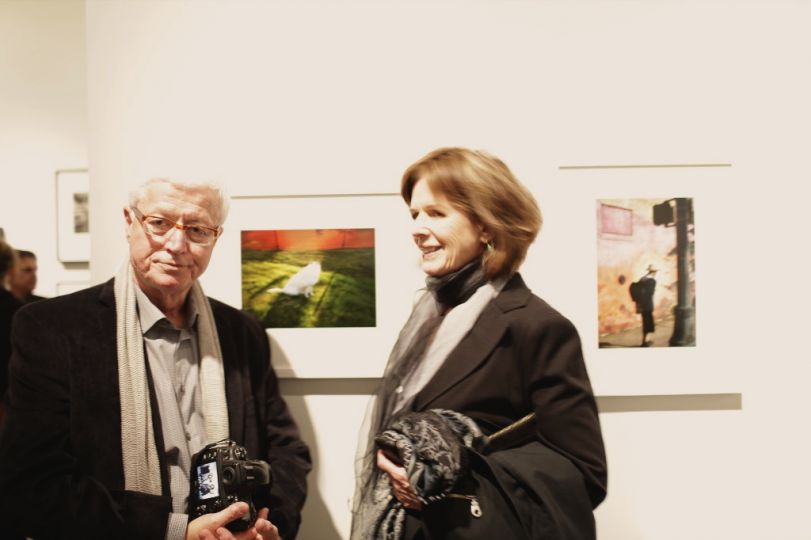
(24,275)
(169,264)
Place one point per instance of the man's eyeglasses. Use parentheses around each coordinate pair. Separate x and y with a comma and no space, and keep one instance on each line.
(160,226)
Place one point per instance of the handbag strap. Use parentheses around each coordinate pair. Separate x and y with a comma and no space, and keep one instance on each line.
(510,436)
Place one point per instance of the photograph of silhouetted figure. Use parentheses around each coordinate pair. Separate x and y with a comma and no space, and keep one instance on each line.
(646,272)
(642,295)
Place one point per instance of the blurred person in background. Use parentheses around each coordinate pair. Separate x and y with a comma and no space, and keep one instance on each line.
(24,277)
(8,306)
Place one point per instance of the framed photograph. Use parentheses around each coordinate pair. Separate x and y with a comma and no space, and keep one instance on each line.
(646,289)
(73,215)
(309,278)
(332,278)
(606,228)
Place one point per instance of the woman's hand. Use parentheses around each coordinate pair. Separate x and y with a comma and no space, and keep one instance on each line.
(400,487)
(212,526)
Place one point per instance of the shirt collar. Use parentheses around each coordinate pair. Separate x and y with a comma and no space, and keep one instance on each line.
(149,314)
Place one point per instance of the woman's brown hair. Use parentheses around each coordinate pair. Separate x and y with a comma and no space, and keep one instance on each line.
(486,191)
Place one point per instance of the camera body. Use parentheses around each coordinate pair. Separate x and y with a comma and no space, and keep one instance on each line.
(221,475)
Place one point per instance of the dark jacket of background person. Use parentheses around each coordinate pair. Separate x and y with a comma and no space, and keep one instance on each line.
(523,351)
(8,306)
(60,447)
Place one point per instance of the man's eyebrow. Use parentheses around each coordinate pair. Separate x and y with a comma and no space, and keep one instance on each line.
(174,215)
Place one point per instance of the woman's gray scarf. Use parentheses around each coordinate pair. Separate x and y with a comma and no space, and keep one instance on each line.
(431,446)
(456,291)
(422,347)
(138,450)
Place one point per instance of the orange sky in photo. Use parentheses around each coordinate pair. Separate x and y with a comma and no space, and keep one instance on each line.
(308,239)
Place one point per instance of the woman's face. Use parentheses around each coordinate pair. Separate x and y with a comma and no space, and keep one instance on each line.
(446,237)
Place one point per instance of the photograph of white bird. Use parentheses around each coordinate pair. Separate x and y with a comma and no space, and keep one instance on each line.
(302,282)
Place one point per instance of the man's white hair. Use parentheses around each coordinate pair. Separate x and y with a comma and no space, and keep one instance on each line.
(137,194)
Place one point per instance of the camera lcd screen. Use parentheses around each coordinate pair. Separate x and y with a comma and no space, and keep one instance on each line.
(208,483)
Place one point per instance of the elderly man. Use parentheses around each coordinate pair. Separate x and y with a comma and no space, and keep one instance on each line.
(112,390)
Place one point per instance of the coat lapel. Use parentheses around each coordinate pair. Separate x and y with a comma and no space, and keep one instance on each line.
(477,345)
(235,391)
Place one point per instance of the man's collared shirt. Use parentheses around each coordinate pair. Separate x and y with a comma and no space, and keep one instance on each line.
(173,359)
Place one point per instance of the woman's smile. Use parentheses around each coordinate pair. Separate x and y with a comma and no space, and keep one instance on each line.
(446,237)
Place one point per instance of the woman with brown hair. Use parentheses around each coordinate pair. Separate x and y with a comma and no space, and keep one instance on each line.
(479,355)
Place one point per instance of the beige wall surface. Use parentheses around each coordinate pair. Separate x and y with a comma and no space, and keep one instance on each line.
(43,125)
(314,98)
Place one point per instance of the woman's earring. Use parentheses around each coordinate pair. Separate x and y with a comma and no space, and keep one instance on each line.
(489,245)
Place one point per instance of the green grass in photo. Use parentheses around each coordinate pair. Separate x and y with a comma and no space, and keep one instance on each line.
(343,297)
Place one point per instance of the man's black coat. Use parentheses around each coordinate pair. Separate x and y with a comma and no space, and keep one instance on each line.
(61,473)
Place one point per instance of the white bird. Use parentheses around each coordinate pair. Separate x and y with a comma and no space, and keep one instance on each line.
(302,282)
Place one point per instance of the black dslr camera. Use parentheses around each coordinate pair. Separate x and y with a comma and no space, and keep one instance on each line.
(221,475)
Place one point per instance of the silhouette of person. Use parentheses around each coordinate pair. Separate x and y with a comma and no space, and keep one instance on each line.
(645,303)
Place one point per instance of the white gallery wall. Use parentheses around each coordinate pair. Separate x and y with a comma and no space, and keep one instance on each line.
(43,125)
(328,98)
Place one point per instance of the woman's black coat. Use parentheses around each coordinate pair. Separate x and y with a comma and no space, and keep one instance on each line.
(523,356)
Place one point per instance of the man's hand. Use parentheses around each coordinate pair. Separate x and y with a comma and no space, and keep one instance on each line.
(400,486)
(212,526)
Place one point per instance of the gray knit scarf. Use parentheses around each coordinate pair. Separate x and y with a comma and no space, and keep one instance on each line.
(138,449)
